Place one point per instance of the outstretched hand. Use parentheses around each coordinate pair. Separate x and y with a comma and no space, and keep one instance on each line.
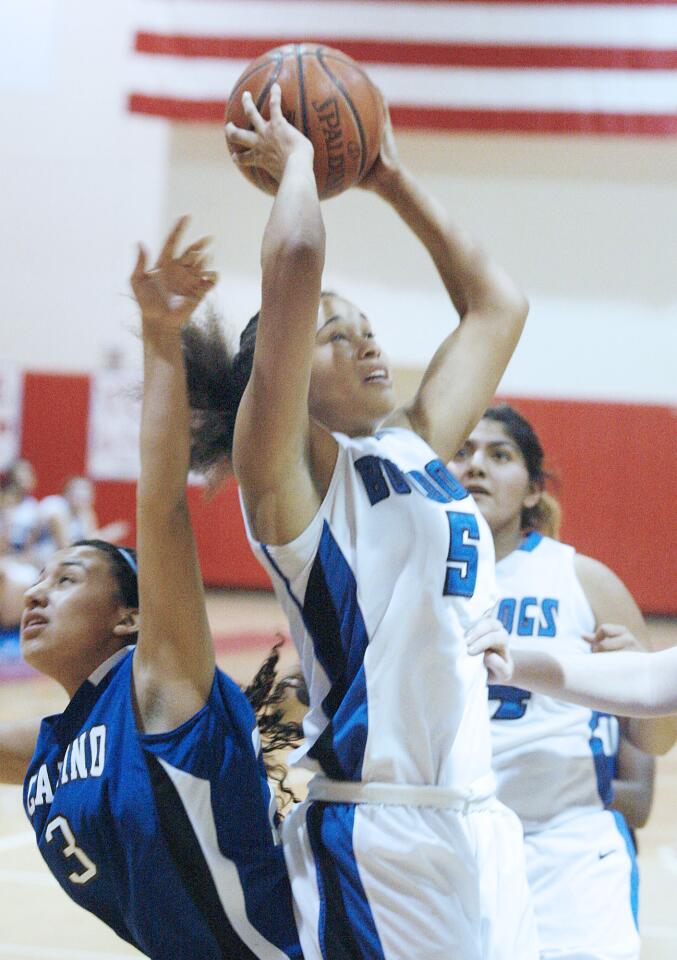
(490,638)
(611,637)
(169,292)
(269,143)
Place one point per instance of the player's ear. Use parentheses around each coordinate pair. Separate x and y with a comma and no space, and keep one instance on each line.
(128,624)
(534,494)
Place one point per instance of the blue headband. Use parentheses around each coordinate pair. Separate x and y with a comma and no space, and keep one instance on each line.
(129,560)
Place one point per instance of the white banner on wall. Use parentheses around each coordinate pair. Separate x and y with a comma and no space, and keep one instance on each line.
(11,394)
(113,433)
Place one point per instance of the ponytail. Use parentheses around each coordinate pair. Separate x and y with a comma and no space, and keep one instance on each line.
(216,378)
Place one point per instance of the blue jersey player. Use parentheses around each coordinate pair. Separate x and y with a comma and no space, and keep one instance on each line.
(148,794)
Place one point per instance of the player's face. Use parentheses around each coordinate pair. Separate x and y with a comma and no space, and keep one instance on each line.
(351,389)
(491,467)
(69,617)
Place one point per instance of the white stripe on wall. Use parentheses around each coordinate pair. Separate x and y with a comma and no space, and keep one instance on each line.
(612,91)
(579,349)
(624,25)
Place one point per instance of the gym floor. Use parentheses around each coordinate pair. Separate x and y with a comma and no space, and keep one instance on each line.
(39,922)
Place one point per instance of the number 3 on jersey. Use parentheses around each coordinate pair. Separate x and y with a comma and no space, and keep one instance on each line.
(71,849)
(464,535)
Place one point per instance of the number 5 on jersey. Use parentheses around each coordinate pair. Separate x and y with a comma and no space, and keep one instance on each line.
(464,535)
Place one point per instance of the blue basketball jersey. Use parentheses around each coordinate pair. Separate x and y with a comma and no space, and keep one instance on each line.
(170,838)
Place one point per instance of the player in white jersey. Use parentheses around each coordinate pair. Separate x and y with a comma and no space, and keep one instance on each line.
(382,562)
(550,757)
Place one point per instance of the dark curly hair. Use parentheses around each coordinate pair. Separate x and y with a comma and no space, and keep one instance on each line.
(267,696)
(217,376)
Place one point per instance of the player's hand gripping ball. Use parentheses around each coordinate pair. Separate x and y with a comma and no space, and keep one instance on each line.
(329,98)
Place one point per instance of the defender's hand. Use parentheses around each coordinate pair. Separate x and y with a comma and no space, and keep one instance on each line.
(169,292)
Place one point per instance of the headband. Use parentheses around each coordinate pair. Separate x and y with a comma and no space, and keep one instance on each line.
(129,560)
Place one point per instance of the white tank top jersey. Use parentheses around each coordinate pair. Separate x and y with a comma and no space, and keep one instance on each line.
(550,758)
(379,589)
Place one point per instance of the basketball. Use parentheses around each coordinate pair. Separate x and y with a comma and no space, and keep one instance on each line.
(329,98)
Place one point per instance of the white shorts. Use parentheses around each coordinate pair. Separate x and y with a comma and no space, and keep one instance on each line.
(391,881)
(584,882)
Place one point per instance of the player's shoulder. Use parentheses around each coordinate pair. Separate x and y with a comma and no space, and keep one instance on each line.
(538,546)
(594,573)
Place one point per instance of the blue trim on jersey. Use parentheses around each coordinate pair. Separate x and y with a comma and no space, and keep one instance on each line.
(191,865)
(283,578)
(334,620)
(114,793)
(332,617)
(634,870)
(531,541)
(346,926)
(601,761)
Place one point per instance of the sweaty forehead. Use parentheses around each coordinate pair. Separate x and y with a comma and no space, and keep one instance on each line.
(490,431)
(89,559)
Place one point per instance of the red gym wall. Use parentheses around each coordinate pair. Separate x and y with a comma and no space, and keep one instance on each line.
(614,464)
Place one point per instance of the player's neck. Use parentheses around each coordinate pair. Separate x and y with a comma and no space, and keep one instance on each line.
(507,538)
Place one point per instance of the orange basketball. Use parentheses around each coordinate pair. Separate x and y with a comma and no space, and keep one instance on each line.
(329,98)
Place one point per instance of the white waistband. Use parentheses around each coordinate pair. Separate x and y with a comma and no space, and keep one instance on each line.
(479,794)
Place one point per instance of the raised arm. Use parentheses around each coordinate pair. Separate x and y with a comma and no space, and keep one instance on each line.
(174,660)
(463,375)
(17,744)
(613,604)
(272,454)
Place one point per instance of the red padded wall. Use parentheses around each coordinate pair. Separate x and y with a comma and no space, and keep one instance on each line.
(54,427)
(614,463)
(616,470)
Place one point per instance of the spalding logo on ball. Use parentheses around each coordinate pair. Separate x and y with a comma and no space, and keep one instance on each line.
(329,98)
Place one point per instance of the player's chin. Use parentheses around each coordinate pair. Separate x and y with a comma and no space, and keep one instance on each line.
(33,650)
(379,397)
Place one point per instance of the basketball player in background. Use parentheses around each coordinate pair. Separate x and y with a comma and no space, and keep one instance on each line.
(148,794)
(550,757)
(381,562)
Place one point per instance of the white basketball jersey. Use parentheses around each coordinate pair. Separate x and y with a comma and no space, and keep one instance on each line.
(379,589)
(550,757)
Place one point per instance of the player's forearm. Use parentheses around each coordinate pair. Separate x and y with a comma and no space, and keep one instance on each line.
(294,235)
(165,420)
(619,683)
(633,800)
(17,744)
(655,736)
(472,279)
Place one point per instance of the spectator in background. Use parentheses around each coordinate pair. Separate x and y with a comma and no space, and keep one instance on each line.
(19,511)
(71,516)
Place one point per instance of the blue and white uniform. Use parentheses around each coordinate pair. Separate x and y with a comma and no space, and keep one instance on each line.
(168,838)
(551,761)
(401,849)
